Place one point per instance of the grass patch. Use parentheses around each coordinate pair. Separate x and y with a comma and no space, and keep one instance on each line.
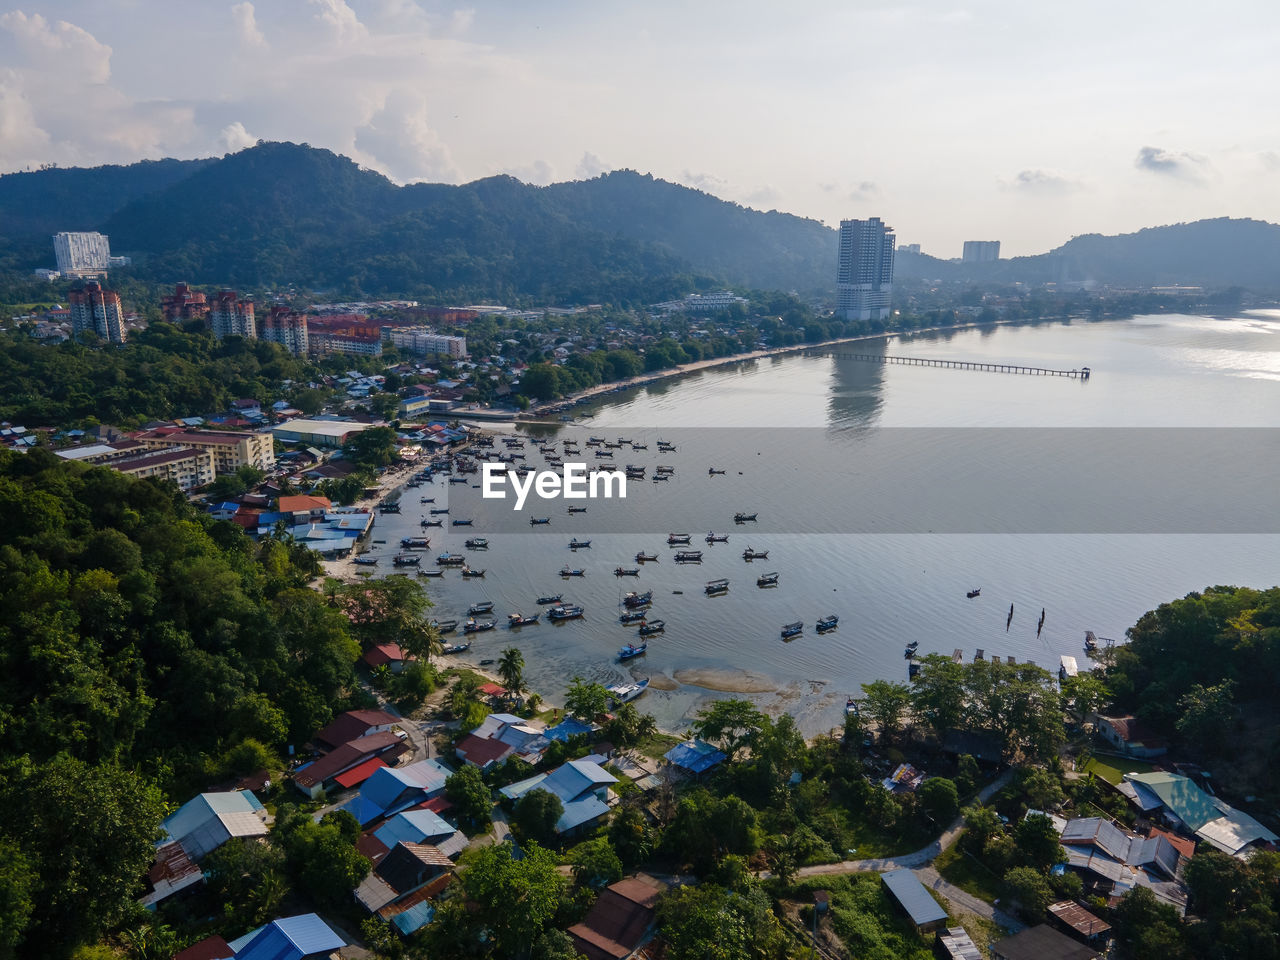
(657,746)
(971,876)
(1113,769)
(873,842)
(863,918)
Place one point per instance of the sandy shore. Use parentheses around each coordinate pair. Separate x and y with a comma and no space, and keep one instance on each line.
(345,569)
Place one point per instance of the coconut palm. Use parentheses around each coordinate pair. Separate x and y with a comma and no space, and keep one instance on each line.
(511,670)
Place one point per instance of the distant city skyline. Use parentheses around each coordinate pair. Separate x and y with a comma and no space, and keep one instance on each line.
(1029,123)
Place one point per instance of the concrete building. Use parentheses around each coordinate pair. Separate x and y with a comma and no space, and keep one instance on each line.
(864,273)
(98,310)
(981,251)
(229,316)
(281,325)
(188,468)
(908,248)
(318,433)
(230,451)
(82,254)
(184,304)
(321,343)
(424,342)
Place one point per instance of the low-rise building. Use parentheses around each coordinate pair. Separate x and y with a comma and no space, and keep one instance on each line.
(1132,737)
(1186,807)
(1041,943)
(230,451)
(318,433)
(621,919)
(315,777)
(914,898)
(394,789)
(582,786)
(352,725)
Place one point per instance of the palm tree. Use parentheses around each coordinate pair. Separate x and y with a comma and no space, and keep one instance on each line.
(511,670)
(421,639)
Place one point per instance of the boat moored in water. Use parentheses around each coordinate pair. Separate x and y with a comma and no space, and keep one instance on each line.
(717,586)
(828,622)
(743,517)
(713,537)
(445,626)
(415,543)
(367,561)
(649,627)
(689,556)
(431,573)
(635,616)
(517,620)
(478,626)
(554,598)
(482,606)
(790,630)
(634,599)
(468,572)
(767,580)
(632,650)
(456,647)
(626,571)
(646,558)
(537,521)
(477,543)
(977,591)
(406,561)
(451,560)
(579,544)
(750,554)
(572,572)
(677,538)
(625,692)
(568,611)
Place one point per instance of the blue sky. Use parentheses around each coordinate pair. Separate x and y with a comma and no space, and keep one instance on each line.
(1023,122)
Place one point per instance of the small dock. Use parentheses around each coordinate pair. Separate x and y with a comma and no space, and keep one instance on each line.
(1081,373)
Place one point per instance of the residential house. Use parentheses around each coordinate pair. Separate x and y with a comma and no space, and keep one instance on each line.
(1113,861)
(408,868)
(1186,807)
(914,898)
(1080,922)
(389,655)
(304,509)
(620,920)
(352,725)
(500,736)
(1041,943)
(210,948)
(393,789)
(582,787)
(694,757)
(413,826)
(304,937)
(315,777)
(196,829)
(954,943)
(1132,737)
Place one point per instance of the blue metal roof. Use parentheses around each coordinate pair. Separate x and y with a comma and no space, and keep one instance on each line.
(696,756)
(291,938)
(413,826)
(415,918)
(198,811)
(913,896)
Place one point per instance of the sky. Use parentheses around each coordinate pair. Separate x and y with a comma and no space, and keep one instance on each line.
(1024,122)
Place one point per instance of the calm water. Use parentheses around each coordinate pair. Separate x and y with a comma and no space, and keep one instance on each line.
(891,587)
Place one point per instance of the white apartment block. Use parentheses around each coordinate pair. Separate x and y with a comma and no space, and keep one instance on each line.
(424,342)
(81,253)
(864,274)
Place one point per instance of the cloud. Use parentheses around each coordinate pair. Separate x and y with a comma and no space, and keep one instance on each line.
(706,182)
(766,196)
(1183,166)
(341,20)
(398,140)
(1042,182)
(540,173)
(64,41)
(866,190)
(247,26)
(1270,160)
(590,167)
(235,137)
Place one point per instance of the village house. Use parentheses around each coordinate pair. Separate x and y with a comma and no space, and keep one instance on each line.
(582,787)
(620,920)
(1131,737)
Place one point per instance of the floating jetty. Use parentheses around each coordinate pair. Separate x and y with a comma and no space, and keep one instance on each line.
(1082,373)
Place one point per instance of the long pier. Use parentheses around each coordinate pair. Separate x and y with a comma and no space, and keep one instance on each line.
(1081,374)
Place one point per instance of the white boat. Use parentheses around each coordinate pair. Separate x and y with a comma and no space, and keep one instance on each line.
(626,692)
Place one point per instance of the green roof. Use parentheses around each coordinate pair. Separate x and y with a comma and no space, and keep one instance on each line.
(1192,805)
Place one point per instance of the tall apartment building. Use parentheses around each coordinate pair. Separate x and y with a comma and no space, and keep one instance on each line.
(864,274)
(424,342)
(82,253)
(230,451)
(281,325)
(229,316)
(94,308)
(908,248)
(184,304)
(321,342)
(981,251)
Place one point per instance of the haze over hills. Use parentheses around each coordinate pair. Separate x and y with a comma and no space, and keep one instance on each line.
(284,213)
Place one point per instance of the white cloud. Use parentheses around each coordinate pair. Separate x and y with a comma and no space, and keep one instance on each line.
(341,20)
(41,40)
(1183,166)
(246,21)
(235,137)
(539,172)
(22,141)
(1042,182)
(398,140)
(590,167)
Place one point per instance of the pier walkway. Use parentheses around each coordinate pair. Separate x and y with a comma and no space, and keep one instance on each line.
(1081,374)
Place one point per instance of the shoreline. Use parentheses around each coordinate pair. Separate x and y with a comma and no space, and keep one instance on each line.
(619,386)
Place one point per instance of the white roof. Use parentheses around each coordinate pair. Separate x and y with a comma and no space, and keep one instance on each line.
(1234,831)
(321,428)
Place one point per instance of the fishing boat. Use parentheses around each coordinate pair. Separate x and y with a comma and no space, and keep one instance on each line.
(445,626)
(427,500)
(478,626)
(977,591)
(626,571)
(536,521)
(604,453)
(431,523)
(689,556)
(451,560)
(625,692)
(439,509)
(646,558)
(677,538)
(516,620)
(851,707)
(404,560)
(1090,639)
(462,523)
(456,647)
(717,586)
(591,440)
(639,446)
(649,627)
(664,470)
(568,611)
(749,554)
(577,509)
(743,517)
(468,572)
(415,543)
(635,616)
(911,649)
(555,598)
(828,622)
(481,606)
(579,544)
(713,537)
(713,472)
(431,573)
(458,480)
(790,630)
(477,543)
(634,599)
(572,572)
(367,561)
(632,650)
(660,477)
(386,507)
(768,580)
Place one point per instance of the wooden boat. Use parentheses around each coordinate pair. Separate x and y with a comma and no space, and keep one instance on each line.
(632,650)
(536,521)
(660,477)
(516,620)
(626,572)
(386,507)
(431,523)
(577,509)
(458,480)
(625,692)
(431,573)
(445,626)
(974,593)
(768,580)
(478,626)
(664,470)
(600,454)
(439,509)
(569,611)
(572,572)
(451,560)
(828,622)
(635,616)
(646,558)
(749,554)
(477,543)
(851,707)
(712,537)
(456,647)
(717,586)
(676,538)
(406,561)
(649,627)
(639,446)
(579,544)
(481,606)
(367,561)
(550,599)
(911,649)
(790,630)
(462,523)
(415,543)
(468,572)
(689,556)
(713,472)
(427,500)
(634,599)
(743,517)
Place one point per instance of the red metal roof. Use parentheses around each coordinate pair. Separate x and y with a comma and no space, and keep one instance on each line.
(360,773)
(210,948)
(481,752)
